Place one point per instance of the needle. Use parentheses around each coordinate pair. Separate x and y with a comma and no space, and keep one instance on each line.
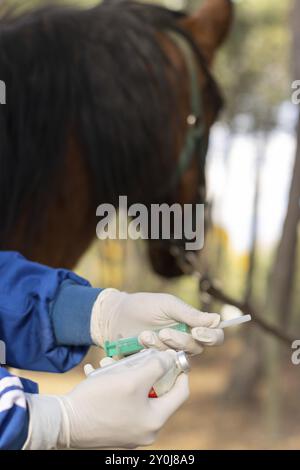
(234,321)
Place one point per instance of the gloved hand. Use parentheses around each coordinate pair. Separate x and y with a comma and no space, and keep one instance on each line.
(111,409)
(118,315)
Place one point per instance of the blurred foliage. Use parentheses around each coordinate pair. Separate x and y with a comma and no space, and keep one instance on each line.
(27,4)
(253,68)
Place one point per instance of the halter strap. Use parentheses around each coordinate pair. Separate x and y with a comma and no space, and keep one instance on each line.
(196,140)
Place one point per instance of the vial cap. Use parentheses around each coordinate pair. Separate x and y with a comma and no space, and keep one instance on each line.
(182,361)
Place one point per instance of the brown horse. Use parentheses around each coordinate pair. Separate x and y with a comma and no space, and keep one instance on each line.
(99,104)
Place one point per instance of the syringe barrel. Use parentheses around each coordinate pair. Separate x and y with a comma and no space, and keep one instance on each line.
(180,365)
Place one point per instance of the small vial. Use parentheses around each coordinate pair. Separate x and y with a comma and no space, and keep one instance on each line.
(167,381)
(161,387)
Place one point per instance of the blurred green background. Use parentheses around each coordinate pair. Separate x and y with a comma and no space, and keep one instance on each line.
(244,394)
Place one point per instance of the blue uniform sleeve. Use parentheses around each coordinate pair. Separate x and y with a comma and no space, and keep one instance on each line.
(14,417)
(28,294)
(71,312)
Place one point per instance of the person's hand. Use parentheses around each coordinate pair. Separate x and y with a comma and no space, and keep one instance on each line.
(110,409)
(118,315)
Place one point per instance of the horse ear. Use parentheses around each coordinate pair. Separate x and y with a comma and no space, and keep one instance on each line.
(210,25)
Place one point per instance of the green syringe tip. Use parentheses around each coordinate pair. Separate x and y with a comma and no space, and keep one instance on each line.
(126,346)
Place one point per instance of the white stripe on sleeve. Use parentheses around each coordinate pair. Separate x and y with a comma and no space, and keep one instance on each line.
(11,398)
(10,382)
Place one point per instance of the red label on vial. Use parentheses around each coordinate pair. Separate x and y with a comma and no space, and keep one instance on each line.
(152,393)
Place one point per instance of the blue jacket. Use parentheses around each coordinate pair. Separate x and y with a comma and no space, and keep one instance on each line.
(44,325)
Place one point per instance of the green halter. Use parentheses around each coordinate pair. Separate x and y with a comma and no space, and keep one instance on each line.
(196,140)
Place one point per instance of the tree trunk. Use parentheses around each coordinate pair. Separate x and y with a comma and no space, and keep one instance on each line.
(280,289)
(260,157)
(247,369)
(284,266)
(283,273)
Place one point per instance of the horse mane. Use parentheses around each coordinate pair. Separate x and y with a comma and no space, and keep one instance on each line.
(98,76)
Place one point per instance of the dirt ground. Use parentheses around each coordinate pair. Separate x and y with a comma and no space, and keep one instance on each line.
(205,422)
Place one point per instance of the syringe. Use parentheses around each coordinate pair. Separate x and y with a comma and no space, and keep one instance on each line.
(126,346)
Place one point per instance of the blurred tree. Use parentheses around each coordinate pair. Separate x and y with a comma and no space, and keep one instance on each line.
(284,266)
(279,294)
(253,71)
(253,68)
(21,4)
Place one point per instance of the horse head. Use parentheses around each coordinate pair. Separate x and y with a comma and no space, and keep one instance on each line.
(108,101)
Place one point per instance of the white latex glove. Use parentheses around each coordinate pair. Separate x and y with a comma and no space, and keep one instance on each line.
(107,410)
(118,315)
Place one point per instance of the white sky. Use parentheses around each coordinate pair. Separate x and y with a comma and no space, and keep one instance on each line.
(232,185)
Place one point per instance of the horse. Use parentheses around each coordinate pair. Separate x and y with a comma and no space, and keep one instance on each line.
(117,99)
